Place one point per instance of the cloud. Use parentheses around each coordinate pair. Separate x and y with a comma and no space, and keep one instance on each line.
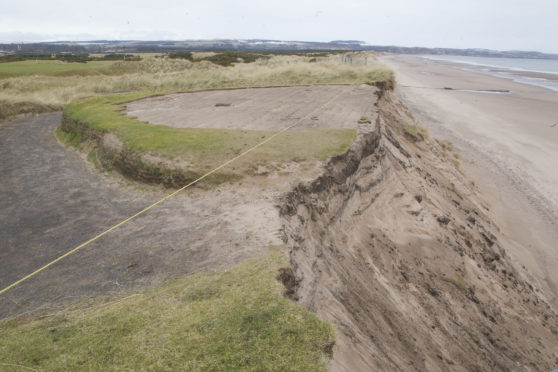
(495,24)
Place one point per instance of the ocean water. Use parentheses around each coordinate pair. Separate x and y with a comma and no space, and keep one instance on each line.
(509,68)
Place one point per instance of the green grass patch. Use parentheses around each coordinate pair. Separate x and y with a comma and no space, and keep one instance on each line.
(205,148)
(217,321)
(68,139)
(51,68)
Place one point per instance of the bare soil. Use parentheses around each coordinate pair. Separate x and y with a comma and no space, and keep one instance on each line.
(52,199)
(258,108)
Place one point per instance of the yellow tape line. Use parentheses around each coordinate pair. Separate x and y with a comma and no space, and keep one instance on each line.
(165,198)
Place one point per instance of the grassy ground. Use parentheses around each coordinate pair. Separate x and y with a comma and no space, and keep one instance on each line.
(51,68)
(216,321)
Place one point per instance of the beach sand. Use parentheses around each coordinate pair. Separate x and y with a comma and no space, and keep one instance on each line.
(508,145)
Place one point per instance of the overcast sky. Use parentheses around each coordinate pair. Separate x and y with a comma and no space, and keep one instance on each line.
(494,24)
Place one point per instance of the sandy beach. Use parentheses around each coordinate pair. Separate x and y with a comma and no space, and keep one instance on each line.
(508,144)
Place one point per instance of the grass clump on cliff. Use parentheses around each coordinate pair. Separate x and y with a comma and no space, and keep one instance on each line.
(416,132)
(231,320)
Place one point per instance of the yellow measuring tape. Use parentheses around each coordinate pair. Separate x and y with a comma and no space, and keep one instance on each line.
(166,197)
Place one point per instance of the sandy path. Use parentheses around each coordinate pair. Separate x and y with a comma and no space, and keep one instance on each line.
(259,108)
(51,200)
(508,145)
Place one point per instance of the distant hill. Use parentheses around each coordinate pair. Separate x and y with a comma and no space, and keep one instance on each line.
(259,45)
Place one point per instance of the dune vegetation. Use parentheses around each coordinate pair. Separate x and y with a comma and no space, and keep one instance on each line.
(163,75)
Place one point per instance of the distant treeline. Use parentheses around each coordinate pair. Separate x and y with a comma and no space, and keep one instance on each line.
(253,46)
(68,57)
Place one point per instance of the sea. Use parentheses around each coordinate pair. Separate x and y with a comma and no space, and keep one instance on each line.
(509,68)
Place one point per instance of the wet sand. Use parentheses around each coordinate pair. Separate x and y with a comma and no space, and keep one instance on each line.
(508,143)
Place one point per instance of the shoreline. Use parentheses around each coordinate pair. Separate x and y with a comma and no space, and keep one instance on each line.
(543,79)
(506,143)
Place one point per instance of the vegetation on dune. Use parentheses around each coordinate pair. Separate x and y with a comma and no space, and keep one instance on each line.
(416,132)
(9,109)
(68,57)
(230,320)
(229,58)
(181,55)
(57,84)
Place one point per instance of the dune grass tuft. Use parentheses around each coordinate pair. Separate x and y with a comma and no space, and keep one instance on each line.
(416,132)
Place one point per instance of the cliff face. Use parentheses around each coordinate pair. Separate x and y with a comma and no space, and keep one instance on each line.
(393,247)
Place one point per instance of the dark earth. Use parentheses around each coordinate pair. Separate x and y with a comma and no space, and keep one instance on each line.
(52,200)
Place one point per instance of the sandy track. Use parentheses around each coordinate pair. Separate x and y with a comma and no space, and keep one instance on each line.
(259,108)
(51,200)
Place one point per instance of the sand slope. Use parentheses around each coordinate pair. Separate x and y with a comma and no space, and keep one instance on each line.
(508,146)
(394,246)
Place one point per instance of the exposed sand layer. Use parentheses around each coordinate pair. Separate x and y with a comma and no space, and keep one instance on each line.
(397,248)
(508,144)
(258,108)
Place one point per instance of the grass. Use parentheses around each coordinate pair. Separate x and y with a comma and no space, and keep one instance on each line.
(216,321)
(229,58)
(56,84)
(416,132)
(446,145)
(51,68)
(9,109)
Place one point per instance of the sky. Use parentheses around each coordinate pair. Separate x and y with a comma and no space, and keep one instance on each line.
(491,24)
